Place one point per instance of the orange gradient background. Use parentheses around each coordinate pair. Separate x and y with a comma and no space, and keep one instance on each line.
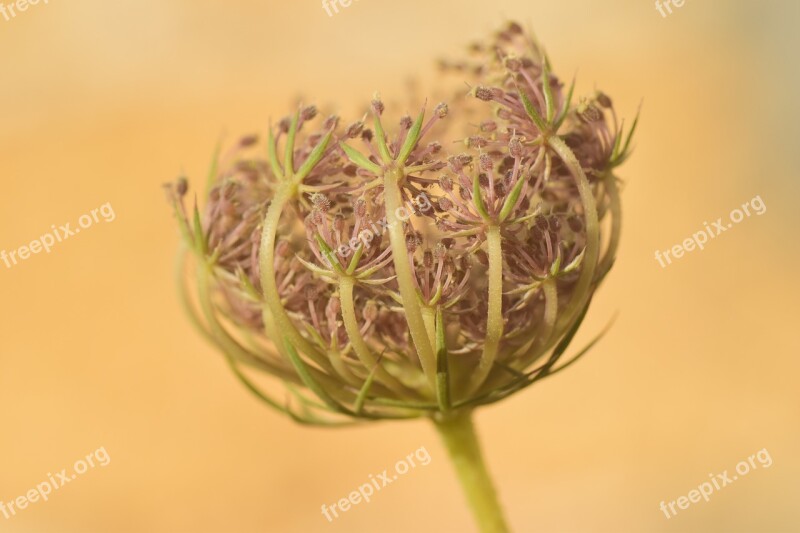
(104,101)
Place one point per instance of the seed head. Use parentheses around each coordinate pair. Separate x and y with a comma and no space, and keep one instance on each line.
(352,273)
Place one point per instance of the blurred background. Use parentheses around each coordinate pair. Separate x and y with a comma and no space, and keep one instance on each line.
(105,101)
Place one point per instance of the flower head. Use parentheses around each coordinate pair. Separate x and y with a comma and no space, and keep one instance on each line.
(378,274)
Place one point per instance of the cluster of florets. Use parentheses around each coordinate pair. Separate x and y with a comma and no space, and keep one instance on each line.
(381,275)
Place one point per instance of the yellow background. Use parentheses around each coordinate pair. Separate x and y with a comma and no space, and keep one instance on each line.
(104,101)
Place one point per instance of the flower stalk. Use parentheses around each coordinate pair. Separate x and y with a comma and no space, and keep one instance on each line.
(373,273)
(461,441)
(406,286)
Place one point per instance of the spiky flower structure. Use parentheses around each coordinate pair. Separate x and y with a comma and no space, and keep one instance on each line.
(379,275)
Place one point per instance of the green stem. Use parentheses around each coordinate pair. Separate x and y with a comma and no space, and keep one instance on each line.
(405,279)
(461,441)
(429,317)
(547,325)
(269,285)
(592,252)
(616,224)
(363,351)
(494,319)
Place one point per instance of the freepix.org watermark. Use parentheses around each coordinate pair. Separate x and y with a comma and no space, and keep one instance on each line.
(665,6)
(699,239)
(716,483)
(59,234)
(11,9)
(365,236)
(43,490)
(327,5)
(376,483)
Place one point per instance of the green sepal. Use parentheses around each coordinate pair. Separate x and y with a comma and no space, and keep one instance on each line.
(442,371)
(288,155)
(362,394)
(380,135)
(199,238)
(477,197)
(411,139)
(309,381)
(549,101)
(531,111)
(565,109)
(511,199)
(272,147)
(330,254)
(360,159)
(356,258)
(314,157)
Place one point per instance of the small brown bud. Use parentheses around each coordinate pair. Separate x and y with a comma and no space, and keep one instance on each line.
(603,100)
(514,64)
(486,162)
(592,114)
(515,147)
(413,241)
(464,159)
(248,140)
(360,207)
(488,126)
(338,223)
(446,183)
(483,93)
(229,190)
(439,251)
(311,292)
(575,223)
(427,259)
(476,141)
(308,113)
(354,129)
(377,106)
(321,202)
(370,312)
(515,29)
(330,123)
(182,186)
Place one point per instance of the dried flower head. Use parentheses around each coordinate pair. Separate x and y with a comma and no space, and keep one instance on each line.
(381,276)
